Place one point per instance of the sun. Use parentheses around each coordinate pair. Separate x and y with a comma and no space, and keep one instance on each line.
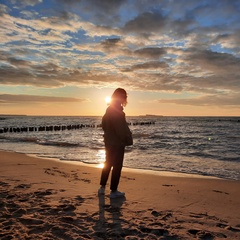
(108,100)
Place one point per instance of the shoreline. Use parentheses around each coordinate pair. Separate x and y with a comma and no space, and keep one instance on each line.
(134,170)
(129,169)
(46,199)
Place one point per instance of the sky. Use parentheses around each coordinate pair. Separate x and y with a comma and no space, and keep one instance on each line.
(173,57)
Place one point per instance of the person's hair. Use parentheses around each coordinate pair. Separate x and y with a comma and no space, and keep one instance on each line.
(120,95)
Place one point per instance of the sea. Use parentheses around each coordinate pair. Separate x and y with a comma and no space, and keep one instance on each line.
(207,146)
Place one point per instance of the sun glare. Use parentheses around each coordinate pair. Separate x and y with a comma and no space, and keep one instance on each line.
(100,165)
(101,157)
(108,99)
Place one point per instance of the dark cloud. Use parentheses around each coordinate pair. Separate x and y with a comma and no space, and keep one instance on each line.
(213,60)
(106,6)
(111,43)
(10,98)
(152,65)
(103,12)
(146,23)
(18,62)
(52,76)
(150,52)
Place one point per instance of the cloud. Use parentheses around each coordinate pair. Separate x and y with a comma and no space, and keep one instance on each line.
(105,12)
(146,45)
(152,65)
(215,62)
(11,98)
(146,23)
(26,2)
(3,9)
(150,52)
(228,40)
(220,100)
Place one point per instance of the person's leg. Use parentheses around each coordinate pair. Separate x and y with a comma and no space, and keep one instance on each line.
(107,168)
(117,167)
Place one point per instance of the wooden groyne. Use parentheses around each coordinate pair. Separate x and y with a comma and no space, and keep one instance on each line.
(60,127)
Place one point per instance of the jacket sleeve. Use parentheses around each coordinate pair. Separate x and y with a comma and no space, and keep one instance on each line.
(121,128)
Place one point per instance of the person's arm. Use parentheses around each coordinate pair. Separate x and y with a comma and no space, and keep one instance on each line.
(121,128)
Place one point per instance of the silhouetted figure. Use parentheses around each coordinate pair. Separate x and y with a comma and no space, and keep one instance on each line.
(117,135)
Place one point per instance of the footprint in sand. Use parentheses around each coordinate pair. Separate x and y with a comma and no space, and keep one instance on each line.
(4,184)
(168,185)
(164,215)
(45,192)
(73,176)
(30,221)
(23,186)
(217,191)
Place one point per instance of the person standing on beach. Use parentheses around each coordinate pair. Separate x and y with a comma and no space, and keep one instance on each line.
(117,135)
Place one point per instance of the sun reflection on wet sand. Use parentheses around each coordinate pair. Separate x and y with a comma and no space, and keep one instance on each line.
(100,165)
(101,158)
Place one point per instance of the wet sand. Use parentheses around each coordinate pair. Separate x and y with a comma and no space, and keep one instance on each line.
(50,199)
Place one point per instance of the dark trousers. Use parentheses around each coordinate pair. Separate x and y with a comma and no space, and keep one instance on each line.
(114,161)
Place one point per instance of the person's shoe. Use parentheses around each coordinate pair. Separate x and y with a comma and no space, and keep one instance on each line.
(101,191)
(117,194)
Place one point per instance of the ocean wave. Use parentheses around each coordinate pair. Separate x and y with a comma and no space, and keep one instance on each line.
(38,141)
(59,144)
(21,139)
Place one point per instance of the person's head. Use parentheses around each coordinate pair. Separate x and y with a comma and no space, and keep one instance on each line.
(120,95)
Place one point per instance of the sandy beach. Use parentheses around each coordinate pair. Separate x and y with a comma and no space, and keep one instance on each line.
(50,199)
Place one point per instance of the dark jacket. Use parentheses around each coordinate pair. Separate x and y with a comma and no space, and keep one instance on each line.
(115,127)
